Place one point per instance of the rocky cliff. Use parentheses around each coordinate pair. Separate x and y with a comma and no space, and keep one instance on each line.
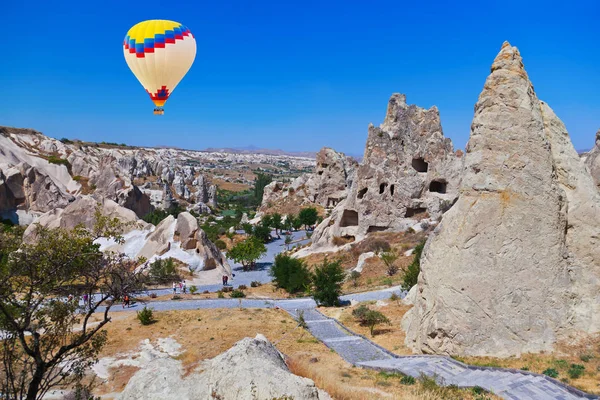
(409,173)
(592,160)
(513,266)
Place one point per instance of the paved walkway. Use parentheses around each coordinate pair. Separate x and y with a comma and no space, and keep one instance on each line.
(360,351)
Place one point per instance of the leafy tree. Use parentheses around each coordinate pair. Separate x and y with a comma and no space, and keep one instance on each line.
(367,317)
(41,349)
(248,228)
(290,274)
(261,181)
(288,240)
(296,223)
(162,271)
(327,283)
(389,259)
(308,216)
(411,275)
(276,223)
(262,232)
(247,252)
(355,276)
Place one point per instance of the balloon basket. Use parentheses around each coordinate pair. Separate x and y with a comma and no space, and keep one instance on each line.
(159,111)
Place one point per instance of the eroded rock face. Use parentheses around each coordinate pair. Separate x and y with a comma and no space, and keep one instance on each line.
(409,173)
(513,266)
(592,160)
(251,369)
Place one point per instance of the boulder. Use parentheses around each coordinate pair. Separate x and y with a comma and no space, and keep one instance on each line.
(513,266)
(159,241)
(251,369)
(186,228)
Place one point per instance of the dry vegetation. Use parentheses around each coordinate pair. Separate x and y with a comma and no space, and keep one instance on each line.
(207,333)
(290,205)
(264,291)
(231,186)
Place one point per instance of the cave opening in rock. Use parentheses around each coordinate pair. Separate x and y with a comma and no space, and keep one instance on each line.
(382,188)
(373,228)
(392,187)
(438,186)
(349,218)
(320,173)
(419,164)
(362,193)
(411,212)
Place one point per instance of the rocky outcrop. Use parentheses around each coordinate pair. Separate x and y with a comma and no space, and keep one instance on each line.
(592,160)
(251,369)
(409,173)
(513,266)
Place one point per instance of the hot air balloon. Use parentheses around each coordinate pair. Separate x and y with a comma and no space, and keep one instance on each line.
(159,53)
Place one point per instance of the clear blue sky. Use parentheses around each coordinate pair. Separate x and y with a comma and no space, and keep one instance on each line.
(296,75)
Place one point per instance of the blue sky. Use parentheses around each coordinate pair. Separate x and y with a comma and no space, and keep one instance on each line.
(296,75)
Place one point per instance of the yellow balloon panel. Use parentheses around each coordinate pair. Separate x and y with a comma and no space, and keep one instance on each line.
(159,53)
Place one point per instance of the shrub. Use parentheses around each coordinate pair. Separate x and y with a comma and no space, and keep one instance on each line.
(227,289)
(411,275)
(301,320)
(162,271)
(290,274)
(193,289)
(242,287)
(478,390)
(394,297)
(220,295)
(327,283)
(389,259)
(586,357)
(354,276)
(551,372)
(367,317)
(377,246)
(206,292)
(176,297)
(59,161)
(407,380)
(575,371)
(220,244)
(77,178)
(341,240)
(145,316)
(255,284)
(247,252)
(388,282)
(153,295)
(237,294)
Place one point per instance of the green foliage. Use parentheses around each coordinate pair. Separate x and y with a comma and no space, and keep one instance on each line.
(193,289)
(276,222)
(477,390)
(260,182)
(551,372)
(242,287)
(220,244)
(308,216)
(262,232)
(301,321)
(575,371)
(387,282)
(59,161)
(327,283)
(248,228)
(412,272)
(156,216)
(394,297)
(389,259)
(247,252)
(354,277)
(290,274)
(163,271)
(586,357)
(367,317)
(237,294)
(296,222)
(220,295)
(408,380)
(66,141)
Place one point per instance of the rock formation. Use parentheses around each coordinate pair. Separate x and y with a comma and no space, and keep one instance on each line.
(409,172)
(514,265)
(251,369)
(592,160)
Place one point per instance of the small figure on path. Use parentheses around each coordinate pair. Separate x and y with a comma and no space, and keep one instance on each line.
(226,279)
(174,288)
(183,287)
(126,301)
(223,280)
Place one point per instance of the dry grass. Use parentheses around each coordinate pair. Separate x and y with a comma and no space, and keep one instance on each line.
(206,333)
(231,186)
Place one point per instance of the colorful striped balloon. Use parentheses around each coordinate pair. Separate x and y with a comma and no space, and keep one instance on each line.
(159,53)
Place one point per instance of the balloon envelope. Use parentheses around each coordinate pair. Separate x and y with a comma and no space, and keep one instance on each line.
(159,53)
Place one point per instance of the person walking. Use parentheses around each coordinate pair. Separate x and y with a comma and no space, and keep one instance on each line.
(126,301)
(183,287)
(174,288)
(226,279)
(223,280)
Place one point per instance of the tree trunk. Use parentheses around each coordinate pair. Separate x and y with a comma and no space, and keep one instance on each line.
(36,381)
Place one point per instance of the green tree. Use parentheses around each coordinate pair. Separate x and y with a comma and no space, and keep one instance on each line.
(162,271)
(290,274)
(411,275)
(389,259)
(308,216)
(247,252)
(276,223)
(262,232)
(288,240)
(260,182)
(41,349)
(296,222)
(327,283)
(367,317)
(248,228)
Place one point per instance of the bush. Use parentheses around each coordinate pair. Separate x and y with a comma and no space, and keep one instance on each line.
(220,294)
(586,357)
(551,372)
(193,289)
(377,246)
(255,284)
(162,271)
(220,244)
(237,294)
(227,289)
(575,371)
(242,287)
(290,274)
(354,277)
(262,232)
(153,295)
(145,316)
(59,161)
(327,283)
(389,259)
(407,380)
(176,297)
(411,275)
(394,297)
(367,317)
